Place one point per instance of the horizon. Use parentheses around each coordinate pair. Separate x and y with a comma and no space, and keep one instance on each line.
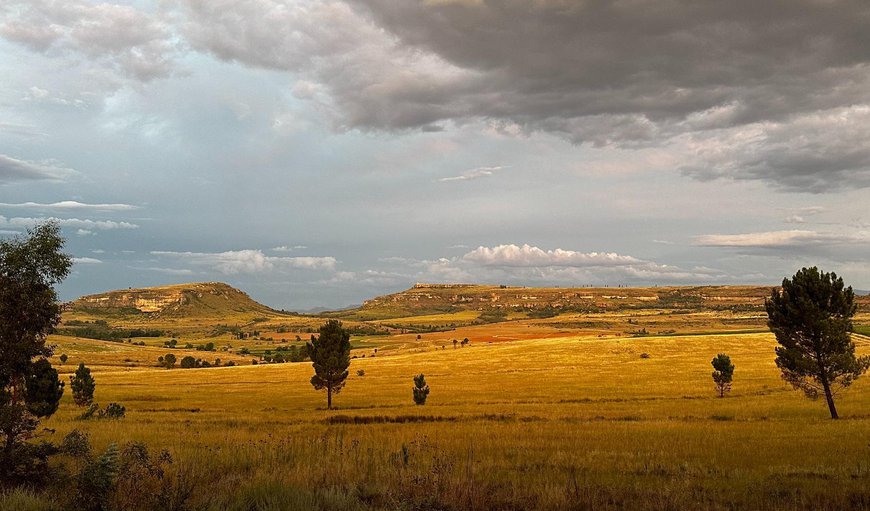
(185,140)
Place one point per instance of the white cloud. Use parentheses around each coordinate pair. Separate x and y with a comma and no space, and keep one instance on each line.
(286,248)
(248,261)
(779,239)
(70,205)
(13,169)
(527,256)
(473,174)
(82,224)
(121,37)
(86,260)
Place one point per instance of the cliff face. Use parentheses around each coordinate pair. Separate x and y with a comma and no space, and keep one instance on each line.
(144,300)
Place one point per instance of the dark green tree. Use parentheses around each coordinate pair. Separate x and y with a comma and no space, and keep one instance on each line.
(723,373)
(169,361)
(30,267)
(188,362)
(421,389)
(811,317)
(83,385)
(330,355)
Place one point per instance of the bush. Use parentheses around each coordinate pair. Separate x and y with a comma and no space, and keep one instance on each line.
(113,411)
(63,358)
(360,372)
(645,355)
(188,362)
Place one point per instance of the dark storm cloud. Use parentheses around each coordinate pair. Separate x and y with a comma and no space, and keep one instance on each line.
(624,73)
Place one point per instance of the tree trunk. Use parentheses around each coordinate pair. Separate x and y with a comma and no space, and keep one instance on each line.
(830,398)
(329,398)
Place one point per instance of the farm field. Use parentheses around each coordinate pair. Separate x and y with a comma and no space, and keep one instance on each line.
(570,422)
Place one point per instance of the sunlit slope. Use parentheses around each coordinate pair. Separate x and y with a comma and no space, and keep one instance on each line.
(522,421)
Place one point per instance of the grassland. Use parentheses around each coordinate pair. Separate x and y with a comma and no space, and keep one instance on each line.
(571,422)
(553,413)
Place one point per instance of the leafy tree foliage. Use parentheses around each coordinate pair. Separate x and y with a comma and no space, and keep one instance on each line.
(812,317)
(330,355)
(83,385)
(421,389)
(169,361)
(188,362)
(30,266)
(723,373)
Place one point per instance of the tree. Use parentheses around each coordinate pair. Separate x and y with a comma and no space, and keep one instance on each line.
(30,267)
(723,373)
(330,355)
(169,360)
(811,318)
(188,362)
(63,358)
(83,385)
(421,389)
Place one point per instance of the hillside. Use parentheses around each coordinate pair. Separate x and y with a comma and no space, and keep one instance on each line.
(426,299)
(202,299)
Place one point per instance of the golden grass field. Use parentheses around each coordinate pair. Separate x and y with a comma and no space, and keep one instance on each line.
(570,422)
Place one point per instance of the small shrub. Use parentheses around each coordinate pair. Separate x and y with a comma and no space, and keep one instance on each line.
(113,411)
(645,355)
(63,358)
(360,372)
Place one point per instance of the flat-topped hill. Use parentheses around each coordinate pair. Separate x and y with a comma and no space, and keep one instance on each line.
(444,298)
(194,300)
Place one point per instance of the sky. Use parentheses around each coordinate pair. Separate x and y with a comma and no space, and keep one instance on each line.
(316,153)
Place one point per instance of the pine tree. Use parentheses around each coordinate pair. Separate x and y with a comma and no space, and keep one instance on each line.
(421,389)
(330,355)
(723,373)
(83,386)
(812,317)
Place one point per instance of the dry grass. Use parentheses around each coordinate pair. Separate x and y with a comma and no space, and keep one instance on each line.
(572,422)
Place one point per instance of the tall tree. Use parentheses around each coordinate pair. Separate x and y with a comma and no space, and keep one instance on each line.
(83,386)
(723,373)
(421,389)
(812,317)
(30,267)
(330,355)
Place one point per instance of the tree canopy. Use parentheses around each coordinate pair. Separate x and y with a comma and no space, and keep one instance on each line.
(330,355)
(811,317)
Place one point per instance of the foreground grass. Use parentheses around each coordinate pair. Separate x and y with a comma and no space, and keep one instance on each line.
(558,423)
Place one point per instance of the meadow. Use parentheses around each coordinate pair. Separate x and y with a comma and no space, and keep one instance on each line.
(525,417)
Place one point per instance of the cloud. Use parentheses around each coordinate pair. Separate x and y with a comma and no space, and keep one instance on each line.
(13,169)
(285,248)
(248,261)
(70,206)
(818,152)
(527,255)
(779,239)
(86,260)
(83,224)
(530,265)
(135,43)
(792,77)
(473,174)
